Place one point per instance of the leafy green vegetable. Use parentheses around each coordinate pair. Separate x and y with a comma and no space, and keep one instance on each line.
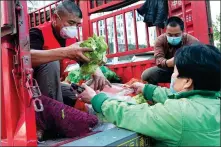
(75,76)
(139,99)
(99,47)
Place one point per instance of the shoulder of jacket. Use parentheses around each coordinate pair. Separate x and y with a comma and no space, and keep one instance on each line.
(189,37)
(162,38)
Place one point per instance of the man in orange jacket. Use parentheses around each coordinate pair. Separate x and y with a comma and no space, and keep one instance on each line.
(54,41)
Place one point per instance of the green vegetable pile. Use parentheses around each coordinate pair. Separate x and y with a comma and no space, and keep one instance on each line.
(140,99)
(75,76)
(99,47)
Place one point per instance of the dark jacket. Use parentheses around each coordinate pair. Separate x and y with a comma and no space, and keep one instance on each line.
(155,12)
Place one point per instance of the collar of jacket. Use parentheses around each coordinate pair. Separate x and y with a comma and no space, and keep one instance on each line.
(192,94)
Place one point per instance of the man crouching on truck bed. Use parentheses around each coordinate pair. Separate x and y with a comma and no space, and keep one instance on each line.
(164,50)
(54,41)
(188,114)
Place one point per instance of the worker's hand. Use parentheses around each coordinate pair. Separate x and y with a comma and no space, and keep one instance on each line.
(87,94)
(170,62)
(99,80)
(75,52)
(138,87)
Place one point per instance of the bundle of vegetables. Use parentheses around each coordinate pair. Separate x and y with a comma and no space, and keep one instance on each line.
(96,57)
(140,99)
(75,76)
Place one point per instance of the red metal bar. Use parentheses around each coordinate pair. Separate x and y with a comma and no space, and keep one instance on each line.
(125,31)
(132,8)
(50,12)
(45,16)
(200,27)
(95,4)
(39,16)
(34,19)
(29,20)
(135,29)
(8,96)
(26,127)
(115,32)
(19,114)
(86,25)
(95,9)
(131,52)
(89,4)
(184,15)
(49,5)
(106,34)
(98,33)
(158,31)
(5,20)
(169,8)
(148,39)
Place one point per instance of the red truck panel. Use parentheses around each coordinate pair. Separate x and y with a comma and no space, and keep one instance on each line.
(17,114)
(131,70)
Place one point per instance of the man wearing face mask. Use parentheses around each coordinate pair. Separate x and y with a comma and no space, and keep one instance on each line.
(164,50)
(54,41)
(187,114)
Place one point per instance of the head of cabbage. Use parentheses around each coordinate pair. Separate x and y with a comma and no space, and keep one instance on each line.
(99,46)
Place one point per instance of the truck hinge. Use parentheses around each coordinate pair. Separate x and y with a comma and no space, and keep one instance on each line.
(33,91)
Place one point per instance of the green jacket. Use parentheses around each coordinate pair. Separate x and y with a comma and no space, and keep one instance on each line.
(184,119)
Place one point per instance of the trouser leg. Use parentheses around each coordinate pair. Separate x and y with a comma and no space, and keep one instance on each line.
(155,75)
(48,78)
(69,96)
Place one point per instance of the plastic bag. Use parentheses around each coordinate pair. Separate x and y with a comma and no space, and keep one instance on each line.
(121,96)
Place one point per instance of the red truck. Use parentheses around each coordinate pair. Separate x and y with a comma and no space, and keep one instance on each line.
(19,91)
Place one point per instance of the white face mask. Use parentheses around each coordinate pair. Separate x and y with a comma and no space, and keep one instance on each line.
(69,32)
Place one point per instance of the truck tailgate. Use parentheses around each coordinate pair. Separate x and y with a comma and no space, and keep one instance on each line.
(113,137)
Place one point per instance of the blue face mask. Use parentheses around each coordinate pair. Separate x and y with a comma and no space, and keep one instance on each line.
(174,40)
(171,86)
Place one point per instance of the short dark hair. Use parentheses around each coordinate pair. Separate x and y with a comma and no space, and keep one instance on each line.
(201,63)
(68,6)
(174,21)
